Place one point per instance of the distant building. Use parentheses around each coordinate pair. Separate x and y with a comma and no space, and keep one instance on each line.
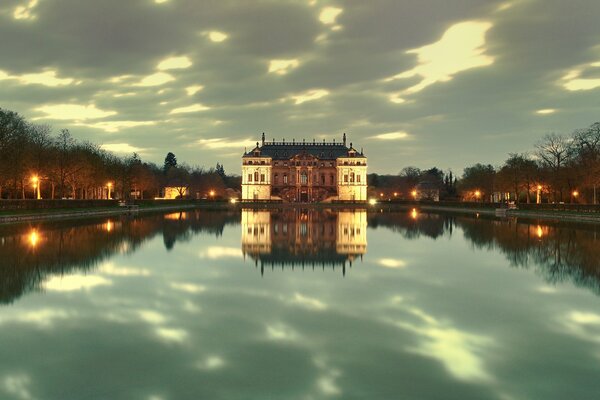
(304,171)
(173,192)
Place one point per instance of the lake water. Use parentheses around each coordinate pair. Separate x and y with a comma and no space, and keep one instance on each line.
(300,304)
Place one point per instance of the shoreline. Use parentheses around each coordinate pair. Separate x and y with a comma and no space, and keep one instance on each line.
(57,213)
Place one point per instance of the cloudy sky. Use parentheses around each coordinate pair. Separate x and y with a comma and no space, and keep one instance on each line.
(427,82)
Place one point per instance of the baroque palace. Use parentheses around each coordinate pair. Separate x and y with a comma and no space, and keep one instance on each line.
(304,171)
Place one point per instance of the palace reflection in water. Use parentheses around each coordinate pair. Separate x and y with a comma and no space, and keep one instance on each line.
(304,237)
(461,307)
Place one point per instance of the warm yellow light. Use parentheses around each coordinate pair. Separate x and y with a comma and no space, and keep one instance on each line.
(395,194)
(381,194)
(414,193)
(109,184)
(539,231)
(575,193)
(414,214)
(211,193)
(109,226)
(233,201)
(372,202)
(477,193)
(34,238)
(35,180)
(539,187)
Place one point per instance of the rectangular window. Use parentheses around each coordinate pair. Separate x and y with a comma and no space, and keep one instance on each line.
(249,177)
(276,179)
(262,177)
(346,178)
(358,178)
(285,179)
(332,179)
(322,179)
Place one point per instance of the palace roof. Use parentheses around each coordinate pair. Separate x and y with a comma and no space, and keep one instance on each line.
(285,150)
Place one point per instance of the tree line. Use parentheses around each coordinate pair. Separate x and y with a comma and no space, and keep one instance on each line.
(33,158)
(560,168)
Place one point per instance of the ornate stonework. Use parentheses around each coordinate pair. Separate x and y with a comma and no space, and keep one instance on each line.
(304,172)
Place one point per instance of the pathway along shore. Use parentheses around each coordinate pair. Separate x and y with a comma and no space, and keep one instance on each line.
(23,215)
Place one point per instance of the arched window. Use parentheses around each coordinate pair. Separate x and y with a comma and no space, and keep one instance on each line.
(304,178)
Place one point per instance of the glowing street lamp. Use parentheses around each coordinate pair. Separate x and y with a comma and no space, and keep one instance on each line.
(414,194)
(538,199)
(372,201)
(109,186)
(36,187)
(211,193)
(477,194)
(575,194)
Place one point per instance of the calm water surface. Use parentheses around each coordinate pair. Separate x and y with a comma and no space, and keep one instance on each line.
(300,305)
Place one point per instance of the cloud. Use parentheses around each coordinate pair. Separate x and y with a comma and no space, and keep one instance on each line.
(152,317)
(156,79)
(190,109)
(172,334)
(188,287)
(17,385)
(192,90)
(46,78)
(75,112)
(308,302)
(462,47)
(216,36)
(282,67)
(182,62)
(121,148)
(309,95)
(328,15)
(43,317)
(110,269)
(573,80)
(391,263)
(210,363)
(215,252)
(546,111)
(391,136)
(116,126)
(75,282)
(24,12)
(281,332)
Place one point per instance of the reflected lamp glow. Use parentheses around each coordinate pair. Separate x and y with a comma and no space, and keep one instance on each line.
(414,214)
(34,238)
(539,231)
(108,226)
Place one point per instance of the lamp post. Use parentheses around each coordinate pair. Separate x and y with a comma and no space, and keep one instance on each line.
(538,199)
(477,194)
(36,187)
(575,195)
(109,186)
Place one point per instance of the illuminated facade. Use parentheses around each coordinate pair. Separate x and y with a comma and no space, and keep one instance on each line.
(304,172)
(305,238)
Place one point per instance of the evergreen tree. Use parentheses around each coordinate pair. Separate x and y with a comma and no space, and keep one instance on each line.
(170,162)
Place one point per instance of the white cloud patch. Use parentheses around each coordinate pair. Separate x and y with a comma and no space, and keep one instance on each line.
(42,318)
(188,287)
(116,126)
(391,136)
(46,78)
(111,269)
(172,334)
(216,36)
(17,386)
(192,90)
(309,302)
(75,282)
(573,81)
(24,12)
(190,109)
(546,111)
(309,95)
(152,317)
(391,263)
(328,15)
(281,332)
(282,67)
(224,143)
(182,62)
(121,148)
(462,47)
(75,112)
(156,79)
(210,363)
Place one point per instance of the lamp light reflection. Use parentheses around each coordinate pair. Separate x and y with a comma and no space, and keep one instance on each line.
(108,226)
(539,232)
(414,214)
(34,238)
